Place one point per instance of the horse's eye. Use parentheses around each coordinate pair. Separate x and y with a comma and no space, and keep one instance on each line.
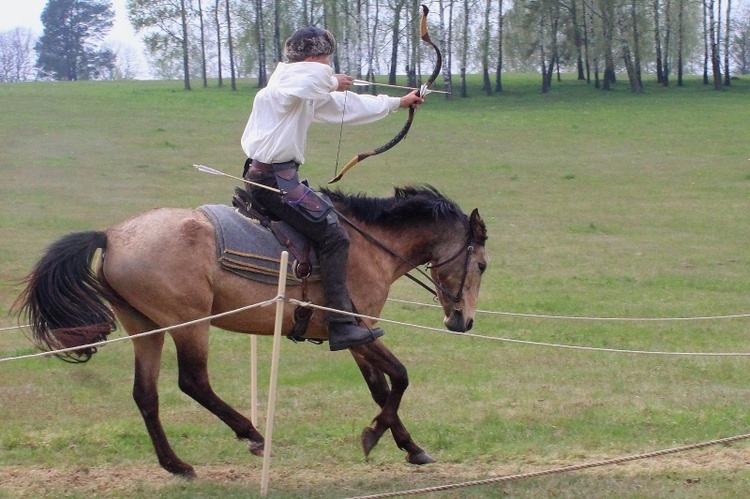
(482,267)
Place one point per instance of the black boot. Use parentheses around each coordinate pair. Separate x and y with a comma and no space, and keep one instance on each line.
(343,335)
(333,248)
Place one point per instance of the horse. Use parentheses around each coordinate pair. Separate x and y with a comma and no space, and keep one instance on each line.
(159,269)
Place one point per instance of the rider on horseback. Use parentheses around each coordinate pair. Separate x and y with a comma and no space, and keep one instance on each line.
(301,91)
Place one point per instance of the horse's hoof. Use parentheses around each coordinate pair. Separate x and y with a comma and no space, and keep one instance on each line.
(257,448)
(188,474)
(369,440)
(420,458)
(182,470)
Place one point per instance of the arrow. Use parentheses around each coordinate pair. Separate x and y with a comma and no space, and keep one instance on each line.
(214,171)
(363,83)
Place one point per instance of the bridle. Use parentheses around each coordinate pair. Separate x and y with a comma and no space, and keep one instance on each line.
(468,248)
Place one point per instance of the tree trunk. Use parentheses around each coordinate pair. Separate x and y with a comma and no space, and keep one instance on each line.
(446,38)
(608,31)
(636,44)
(395,32)
(230,43)
(261,44)
(203,45)
(594,45)
(586,55)
(185,56)
(667,37)
(633,74)
(218,42)
(727,47)
(411,71)
(715,64)
(577,39)
(464,48)
(278,52)
(499,65)
(358,42)
(374,26)
(657,43)
(706,51)
(486,83)
(680,41)
(542,54)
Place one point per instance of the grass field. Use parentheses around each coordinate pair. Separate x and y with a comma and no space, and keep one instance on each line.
(597,205)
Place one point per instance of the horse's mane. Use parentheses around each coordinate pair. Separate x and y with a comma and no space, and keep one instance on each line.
(408,205)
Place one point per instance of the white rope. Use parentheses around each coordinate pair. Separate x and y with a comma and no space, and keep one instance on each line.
(146,333)
(416,326)
(564,469)
(541,316)
(12,328)
(585,318)
(526,342)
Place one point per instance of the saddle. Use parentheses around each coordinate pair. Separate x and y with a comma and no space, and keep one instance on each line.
(249,244)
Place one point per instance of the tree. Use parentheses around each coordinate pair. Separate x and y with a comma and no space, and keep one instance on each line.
(486,83)
(445,36)
(202,44)
(15,55)
(499,64)
(165,24)
(397,8)
(727,38)
(232,74)
(714,35)
(740,49)
(464,47)
(218,42)
(68,50)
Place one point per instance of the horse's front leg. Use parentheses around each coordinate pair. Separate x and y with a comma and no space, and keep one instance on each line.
(375,361)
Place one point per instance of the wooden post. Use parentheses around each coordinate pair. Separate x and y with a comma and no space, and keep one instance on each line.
(274,373)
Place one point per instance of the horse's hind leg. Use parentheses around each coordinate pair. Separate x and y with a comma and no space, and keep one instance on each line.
(192,358)
(374,361)
(145,391)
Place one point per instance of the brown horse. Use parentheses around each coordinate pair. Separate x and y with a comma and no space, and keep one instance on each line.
(160,269)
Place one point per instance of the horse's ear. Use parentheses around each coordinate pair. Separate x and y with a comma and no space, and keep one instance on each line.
(477,227)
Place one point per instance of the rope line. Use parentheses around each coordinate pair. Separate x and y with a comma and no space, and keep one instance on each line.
(525,342)
(12,328)
(542,316)
(145,333)
(564,469)
(388,321)
(585,318)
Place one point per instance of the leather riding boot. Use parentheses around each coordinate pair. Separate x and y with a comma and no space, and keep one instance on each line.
(343,335)
(343,331)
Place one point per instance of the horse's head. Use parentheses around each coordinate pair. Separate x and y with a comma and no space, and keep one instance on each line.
(457,268)
(427,227)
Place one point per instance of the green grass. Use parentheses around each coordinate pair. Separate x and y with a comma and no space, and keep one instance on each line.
(597,204)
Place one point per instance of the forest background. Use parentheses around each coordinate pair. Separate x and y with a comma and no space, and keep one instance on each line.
(228,39)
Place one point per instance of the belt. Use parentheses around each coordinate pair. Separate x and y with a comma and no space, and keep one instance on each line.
(271,167)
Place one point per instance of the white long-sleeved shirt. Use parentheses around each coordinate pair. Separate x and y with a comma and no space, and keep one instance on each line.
(296,95)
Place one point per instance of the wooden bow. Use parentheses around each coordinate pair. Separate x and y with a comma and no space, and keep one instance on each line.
(425,36)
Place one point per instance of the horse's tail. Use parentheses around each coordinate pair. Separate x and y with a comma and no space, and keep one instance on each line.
(64,301)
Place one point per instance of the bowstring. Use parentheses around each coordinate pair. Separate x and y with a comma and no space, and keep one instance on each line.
(341,134)
(343,111)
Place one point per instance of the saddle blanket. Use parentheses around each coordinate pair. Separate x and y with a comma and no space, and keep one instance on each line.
(247,248)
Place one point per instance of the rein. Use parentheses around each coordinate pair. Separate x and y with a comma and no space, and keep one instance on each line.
(469,248)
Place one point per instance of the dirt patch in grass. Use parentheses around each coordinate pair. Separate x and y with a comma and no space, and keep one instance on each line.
(351,480)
